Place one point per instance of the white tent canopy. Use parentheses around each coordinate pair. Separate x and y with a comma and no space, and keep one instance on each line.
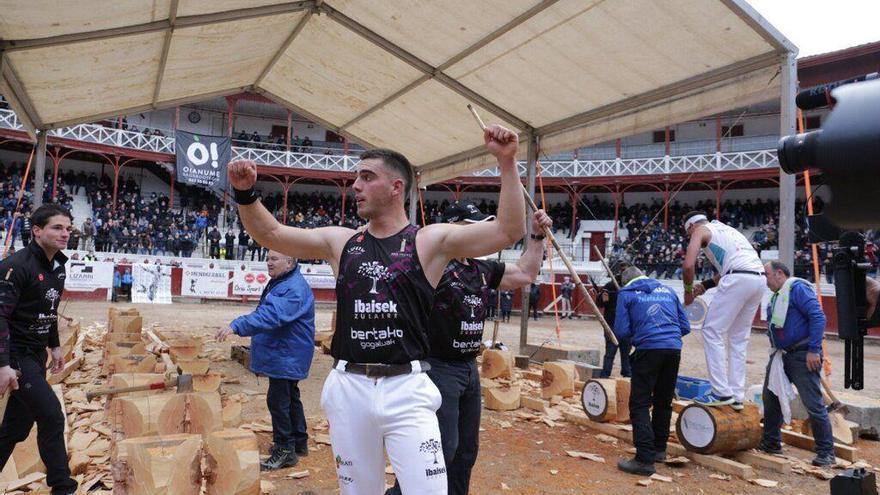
(398,73)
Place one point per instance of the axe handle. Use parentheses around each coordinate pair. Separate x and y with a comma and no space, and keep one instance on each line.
(136,388)
(827,388)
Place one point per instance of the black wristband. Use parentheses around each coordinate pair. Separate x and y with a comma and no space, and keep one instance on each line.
(708,283)
(536,237)
(246,197)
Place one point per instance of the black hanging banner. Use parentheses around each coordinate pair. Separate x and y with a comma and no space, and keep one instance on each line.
(202,160)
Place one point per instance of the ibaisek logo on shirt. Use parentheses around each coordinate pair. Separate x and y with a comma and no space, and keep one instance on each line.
(475,327)
(374,310)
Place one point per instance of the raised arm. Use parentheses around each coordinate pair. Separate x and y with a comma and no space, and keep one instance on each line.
(527,267)
(323,243)
(480,239)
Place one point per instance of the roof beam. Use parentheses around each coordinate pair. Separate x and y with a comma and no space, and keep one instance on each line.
(757,22)
(158,26)
(670,91)
(18,97)
(166,46)
(538,8)
(146,107)
(424,67)
(284,46)
(314,118)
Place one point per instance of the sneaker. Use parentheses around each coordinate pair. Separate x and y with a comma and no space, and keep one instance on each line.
(823,460)
(737,406)
(634,466)
(713,400)
(302,450)
(280,458)
(660,457)
(767,449)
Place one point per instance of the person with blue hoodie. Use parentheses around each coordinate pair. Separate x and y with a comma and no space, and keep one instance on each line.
(652,316)
(282,331)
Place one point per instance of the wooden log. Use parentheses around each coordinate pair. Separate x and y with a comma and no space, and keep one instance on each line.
(844,431)
(169,413)
(231,414)
(497,364)
(802,441)
(558,379)
(132,338)
(606,399)
(73,364)
(136,363)
(128,324)
(242,354)
(184,349)
(124,348)
(208,382)
(757,459)
(711,430)
(233,463)
(534,404)
(718,463)
(162,466)
(193,366)
(502,398)
(27,456)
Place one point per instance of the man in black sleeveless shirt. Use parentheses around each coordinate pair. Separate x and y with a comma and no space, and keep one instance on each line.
(377,398)
(461,304)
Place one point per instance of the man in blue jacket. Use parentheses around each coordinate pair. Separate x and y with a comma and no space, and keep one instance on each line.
(796,328)
(652,316)
(282,331)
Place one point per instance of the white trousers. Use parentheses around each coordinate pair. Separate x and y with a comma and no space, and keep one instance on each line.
(369,416)
(727,329)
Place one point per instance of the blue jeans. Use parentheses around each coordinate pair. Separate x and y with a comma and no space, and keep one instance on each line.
(459,418)
(288,418)
(610,352)
(808,386)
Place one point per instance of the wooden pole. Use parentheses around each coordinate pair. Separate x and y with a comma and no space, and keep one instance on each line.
(548,233)
(607,268)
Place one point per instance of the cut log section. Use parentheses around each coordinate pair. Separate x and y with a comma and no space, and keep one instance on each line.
(141,363)
(558,379)
(233,463)
(718,430)
(184,349)
(497,364)
(209,382)
(127,324)
(162,466)
(606,400)
(132,338)
(125,348)
(193,366)
(168,413)
(502,398)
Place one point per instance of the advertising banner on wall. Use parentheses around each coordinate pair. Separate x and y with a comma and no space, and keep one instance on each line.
(204,282)
(249,281)
(202,160)
(87,276)
(150,283)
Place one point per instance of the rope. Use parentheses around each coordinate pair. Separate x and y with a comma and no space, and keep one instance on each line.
(550,250)
(422,206)
(24,179)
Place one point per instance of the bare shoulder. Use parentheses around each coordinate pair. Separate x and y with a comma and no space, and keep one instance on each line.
(336,237)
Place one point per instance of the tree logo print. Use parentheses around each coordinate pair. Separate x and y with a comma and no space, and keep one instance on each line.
(431,446)
(375,271)
(52,296)
(474,302)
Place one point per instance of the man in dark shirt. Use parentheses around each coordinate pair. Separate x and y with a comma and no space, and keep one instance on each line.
(243,240)
(607,301)
(31,283)
(230,245)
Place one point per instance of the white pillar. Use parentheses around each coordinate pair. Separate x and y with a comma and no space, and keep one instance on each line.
(39,169)
(531,172)
(787,183)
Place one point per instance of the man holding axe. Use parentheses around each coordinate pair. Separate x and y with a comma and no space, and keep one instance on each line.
(31,283)
(796,328)
(461,303)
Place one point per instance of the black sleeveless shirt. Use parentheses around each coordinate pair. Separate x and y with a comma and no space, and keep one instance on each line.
(460,304)
(382,300)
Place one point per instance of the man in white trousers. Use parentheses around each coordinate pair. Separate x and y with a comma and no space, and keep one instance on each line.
(728,322)
(377,398)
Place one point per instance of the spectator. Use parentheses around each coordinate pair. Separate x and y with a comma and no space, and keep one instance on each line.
(88,234)
(243,241)
(230,244)
(282,331)
(534,299)
(506,304)
(214,243)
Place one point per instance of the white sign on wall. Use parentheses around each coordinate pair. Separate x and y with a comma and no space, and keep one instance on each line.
(249,281)
(86,276)
(204,282)
(150,283)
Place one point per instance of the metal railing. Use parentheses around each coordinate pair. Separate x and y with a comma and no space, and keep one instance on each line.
(578,167)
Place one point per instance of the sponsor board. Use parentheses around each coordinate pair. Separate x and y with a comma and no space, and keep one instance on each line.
(86,276)
(204,282)
(150,283)
(249,281)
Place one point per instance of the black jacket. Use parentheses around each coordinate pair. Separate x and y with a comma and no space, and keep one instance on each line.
(30,290)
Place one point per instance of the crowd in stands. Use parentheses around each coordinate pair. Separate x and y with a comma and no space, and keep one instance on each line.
(277,142)
(14,214)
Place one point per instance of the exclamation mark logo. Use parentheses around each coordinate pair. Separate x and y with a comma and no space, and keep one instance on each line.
(215,156)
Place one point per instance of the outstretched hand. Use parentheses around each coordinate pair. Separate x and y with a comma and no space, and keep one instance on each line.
(242,174)
(501,142)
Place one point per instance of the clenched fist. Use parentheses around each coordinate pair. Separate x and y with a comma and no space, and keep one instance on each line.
(501,142)
(242,174)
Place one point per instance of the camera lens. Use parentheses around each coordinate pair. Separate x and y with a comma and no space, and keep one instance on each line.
(797,153)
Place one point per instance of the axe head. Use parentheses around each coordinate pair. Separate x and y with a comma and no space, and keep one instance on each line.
(184,383)
(838,407)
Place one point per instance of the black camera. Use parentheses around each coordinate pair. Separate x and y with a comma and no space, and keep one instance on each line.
(847,151)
